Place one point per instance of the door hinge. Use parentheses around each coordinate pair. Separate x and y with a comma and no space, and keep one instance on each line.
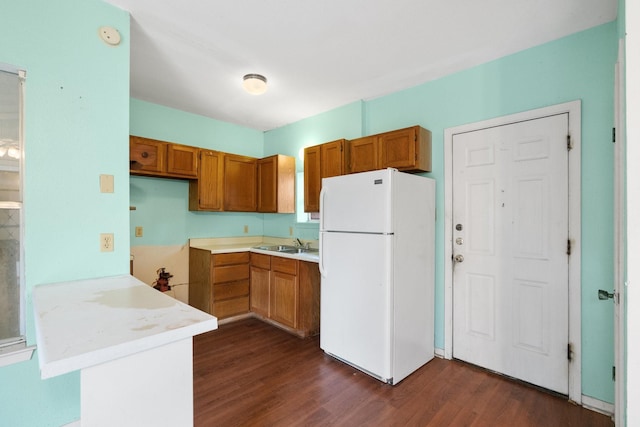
(613,135)
(613,373)
(569,352)
(568,246)
(569,144)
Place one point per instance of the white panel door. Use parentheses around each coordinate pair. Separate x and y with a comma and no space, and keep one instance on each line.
(510,280)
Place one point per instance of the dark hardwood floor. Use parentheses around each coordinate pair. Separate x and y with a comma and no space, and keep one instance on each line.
(249,373)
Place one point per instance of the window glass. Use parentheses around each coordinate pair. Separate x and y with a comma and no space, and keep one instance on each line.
(11,290)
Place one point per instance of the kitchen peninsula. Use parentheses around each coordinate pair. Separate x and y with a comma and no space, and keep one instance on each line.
(131,344)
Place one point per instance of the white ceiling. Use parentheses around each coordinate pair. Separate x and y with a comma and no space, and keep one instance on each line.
(319,55)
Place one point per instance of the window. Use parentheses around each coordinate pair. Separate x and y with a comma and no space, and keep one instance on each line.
(12,294)
(301,215)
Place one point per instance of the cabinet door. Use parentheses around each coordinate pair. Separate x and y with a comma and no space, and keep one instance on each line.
(206,192)
(363,154)
(284,298)
(312,179)
(239,183)
(182,160)
(332,158)
(406,149)
(260,280)
(268,184)
(308,298)
(147,155)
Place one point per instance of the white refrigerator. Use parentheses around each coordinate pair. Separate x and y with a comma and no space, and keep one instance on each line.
(377,251)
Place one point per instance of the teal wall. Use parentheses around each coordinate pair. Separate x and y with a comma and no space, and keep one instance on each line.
(76,128)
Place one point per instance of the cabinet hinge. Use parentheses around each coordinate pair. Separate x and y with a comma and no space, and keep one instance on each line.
(613,135)
(569,352)
(569,143)
(568,246)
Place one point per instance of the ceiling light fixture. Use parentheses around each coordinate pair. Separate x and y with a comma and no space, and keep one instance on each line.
(255,84)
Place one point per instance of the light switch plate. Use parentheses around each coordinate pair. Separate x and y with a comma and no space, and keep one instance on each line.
(106,183)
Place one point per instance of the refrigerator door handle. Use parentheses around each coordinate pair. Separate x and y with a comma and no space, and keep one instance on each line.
(320,263)
(322,191)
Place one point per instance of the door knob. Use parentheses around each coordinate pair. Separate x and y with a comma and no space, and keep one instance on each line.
(604,295)
(458,258)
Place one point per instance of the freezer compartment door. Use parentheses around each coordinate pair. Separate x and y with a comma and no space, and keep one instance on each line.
(355,300)
(358,202)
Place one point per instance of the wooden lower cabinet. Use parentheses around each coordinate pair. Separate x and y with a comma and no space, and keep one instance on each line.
(260,280)
(219,283)
(283,301)
(286,292)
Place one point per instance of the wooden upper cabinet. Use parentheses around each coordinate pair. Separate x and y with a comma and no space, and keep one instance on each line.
(160,158)
(276,184)
(205,193)
(321,161)
(332,158)
(240,183)
(147,156)
(363,154)
(312,179)
(407,149)
(182,160)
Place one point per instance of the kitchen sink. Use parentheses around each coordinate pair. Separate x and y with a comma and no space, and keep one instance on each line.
(287,249)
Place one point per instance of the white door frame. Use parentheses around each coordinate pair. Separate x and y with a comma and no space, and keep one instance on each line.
(620,240)
(574,110)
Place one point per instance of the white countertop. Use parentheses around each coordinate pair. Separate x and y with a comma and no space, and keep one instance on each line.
(219,246)
(89,322)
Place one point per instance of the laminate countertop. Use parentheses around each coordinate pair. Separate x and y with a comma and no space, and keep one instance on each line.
(219,246)
(89,322)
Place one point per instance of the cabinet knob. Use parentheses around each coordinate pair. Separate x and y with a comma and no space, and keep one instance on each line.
(144,154)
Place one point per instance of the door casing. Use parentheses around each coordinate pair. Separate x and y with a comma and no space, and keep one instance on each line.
(574,110)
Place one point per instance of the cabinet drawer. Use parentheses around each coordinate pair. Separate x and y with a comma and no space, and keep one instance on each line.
(230,258)
(230,307)
(261,261)
(230,290)
(230,273)
(284,265)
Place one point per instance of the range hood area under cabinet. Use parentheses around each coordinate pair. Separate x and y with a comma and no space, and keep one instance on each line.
(219,181)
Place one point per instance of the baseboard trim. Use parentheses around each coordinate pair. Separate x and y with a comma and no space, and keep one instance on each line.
(597,405)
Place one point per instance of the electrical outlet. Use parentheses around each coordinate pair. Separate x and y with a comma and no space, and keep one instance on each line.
(246,229)
(106,242)
(138,231)
(290,231)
